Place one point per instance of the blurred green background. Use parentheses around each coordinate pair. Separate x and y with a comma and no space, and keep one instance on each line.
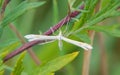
(41,19)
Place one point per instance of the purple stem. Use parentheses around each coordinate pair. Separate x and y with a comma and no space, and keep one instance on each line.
(48,32)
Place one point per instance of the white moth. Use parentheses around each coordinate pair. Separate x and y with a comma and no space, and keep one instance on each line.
(59,37)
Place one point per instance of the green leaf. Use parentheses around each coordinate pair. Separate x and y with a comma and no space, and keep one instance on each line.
(3,54)
(2,72)
(10,45)
(89,6)
(1,66)
(1,1)
(111,30)
(1,61)
(71,2)
(1,69)
(57,63)
(104,3)
(83,35)
(19,65)
(1,30)
(19,10)
(55,11)
(51,74)
(5,48)
(115,13)
(104,13)
(110,6)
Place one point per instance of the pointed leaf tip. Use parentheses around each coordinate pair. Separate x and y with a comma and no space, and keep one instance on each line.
(57,63)
(75,54)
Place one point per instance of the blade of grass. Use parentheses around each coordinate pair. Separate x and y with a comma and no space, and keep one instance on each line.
(55,11)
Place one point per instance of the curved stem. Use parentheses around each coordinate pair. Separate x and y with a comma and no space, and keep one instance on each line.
(30,51)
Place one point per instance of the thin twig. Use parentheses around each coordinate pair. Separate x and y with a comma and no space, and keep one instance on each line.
(103,66)
(30,51)
(104,69)
(32,54)
(48,32)
(4,5)
(87,55)
(3,8)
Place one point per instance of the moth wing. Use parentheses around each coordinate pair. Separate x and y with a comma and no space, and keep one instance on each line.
(32,37)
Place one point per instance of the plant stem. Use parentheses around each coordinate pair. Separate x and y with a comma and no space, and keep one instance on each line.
(48,32)
(4,5)
(30,51)
(3,8)
(87,55)
(104,69)
(32,54)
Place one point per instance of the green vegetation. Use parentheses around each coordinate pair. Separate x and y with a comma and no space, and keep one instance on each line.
(87,21)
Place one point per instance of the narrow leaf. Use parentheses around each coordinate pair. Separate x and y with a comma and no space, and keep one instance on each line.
(57,63)
(1,1)
(71,2)
(83,17)
(115,13)
(19,10)
(3,54)
(2,72)
(1,30)
(8,46)
(83,35)
(55,11)
(51,74)
(104,3)
(1,66)
(19,65)
(103,14)
(111,30)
